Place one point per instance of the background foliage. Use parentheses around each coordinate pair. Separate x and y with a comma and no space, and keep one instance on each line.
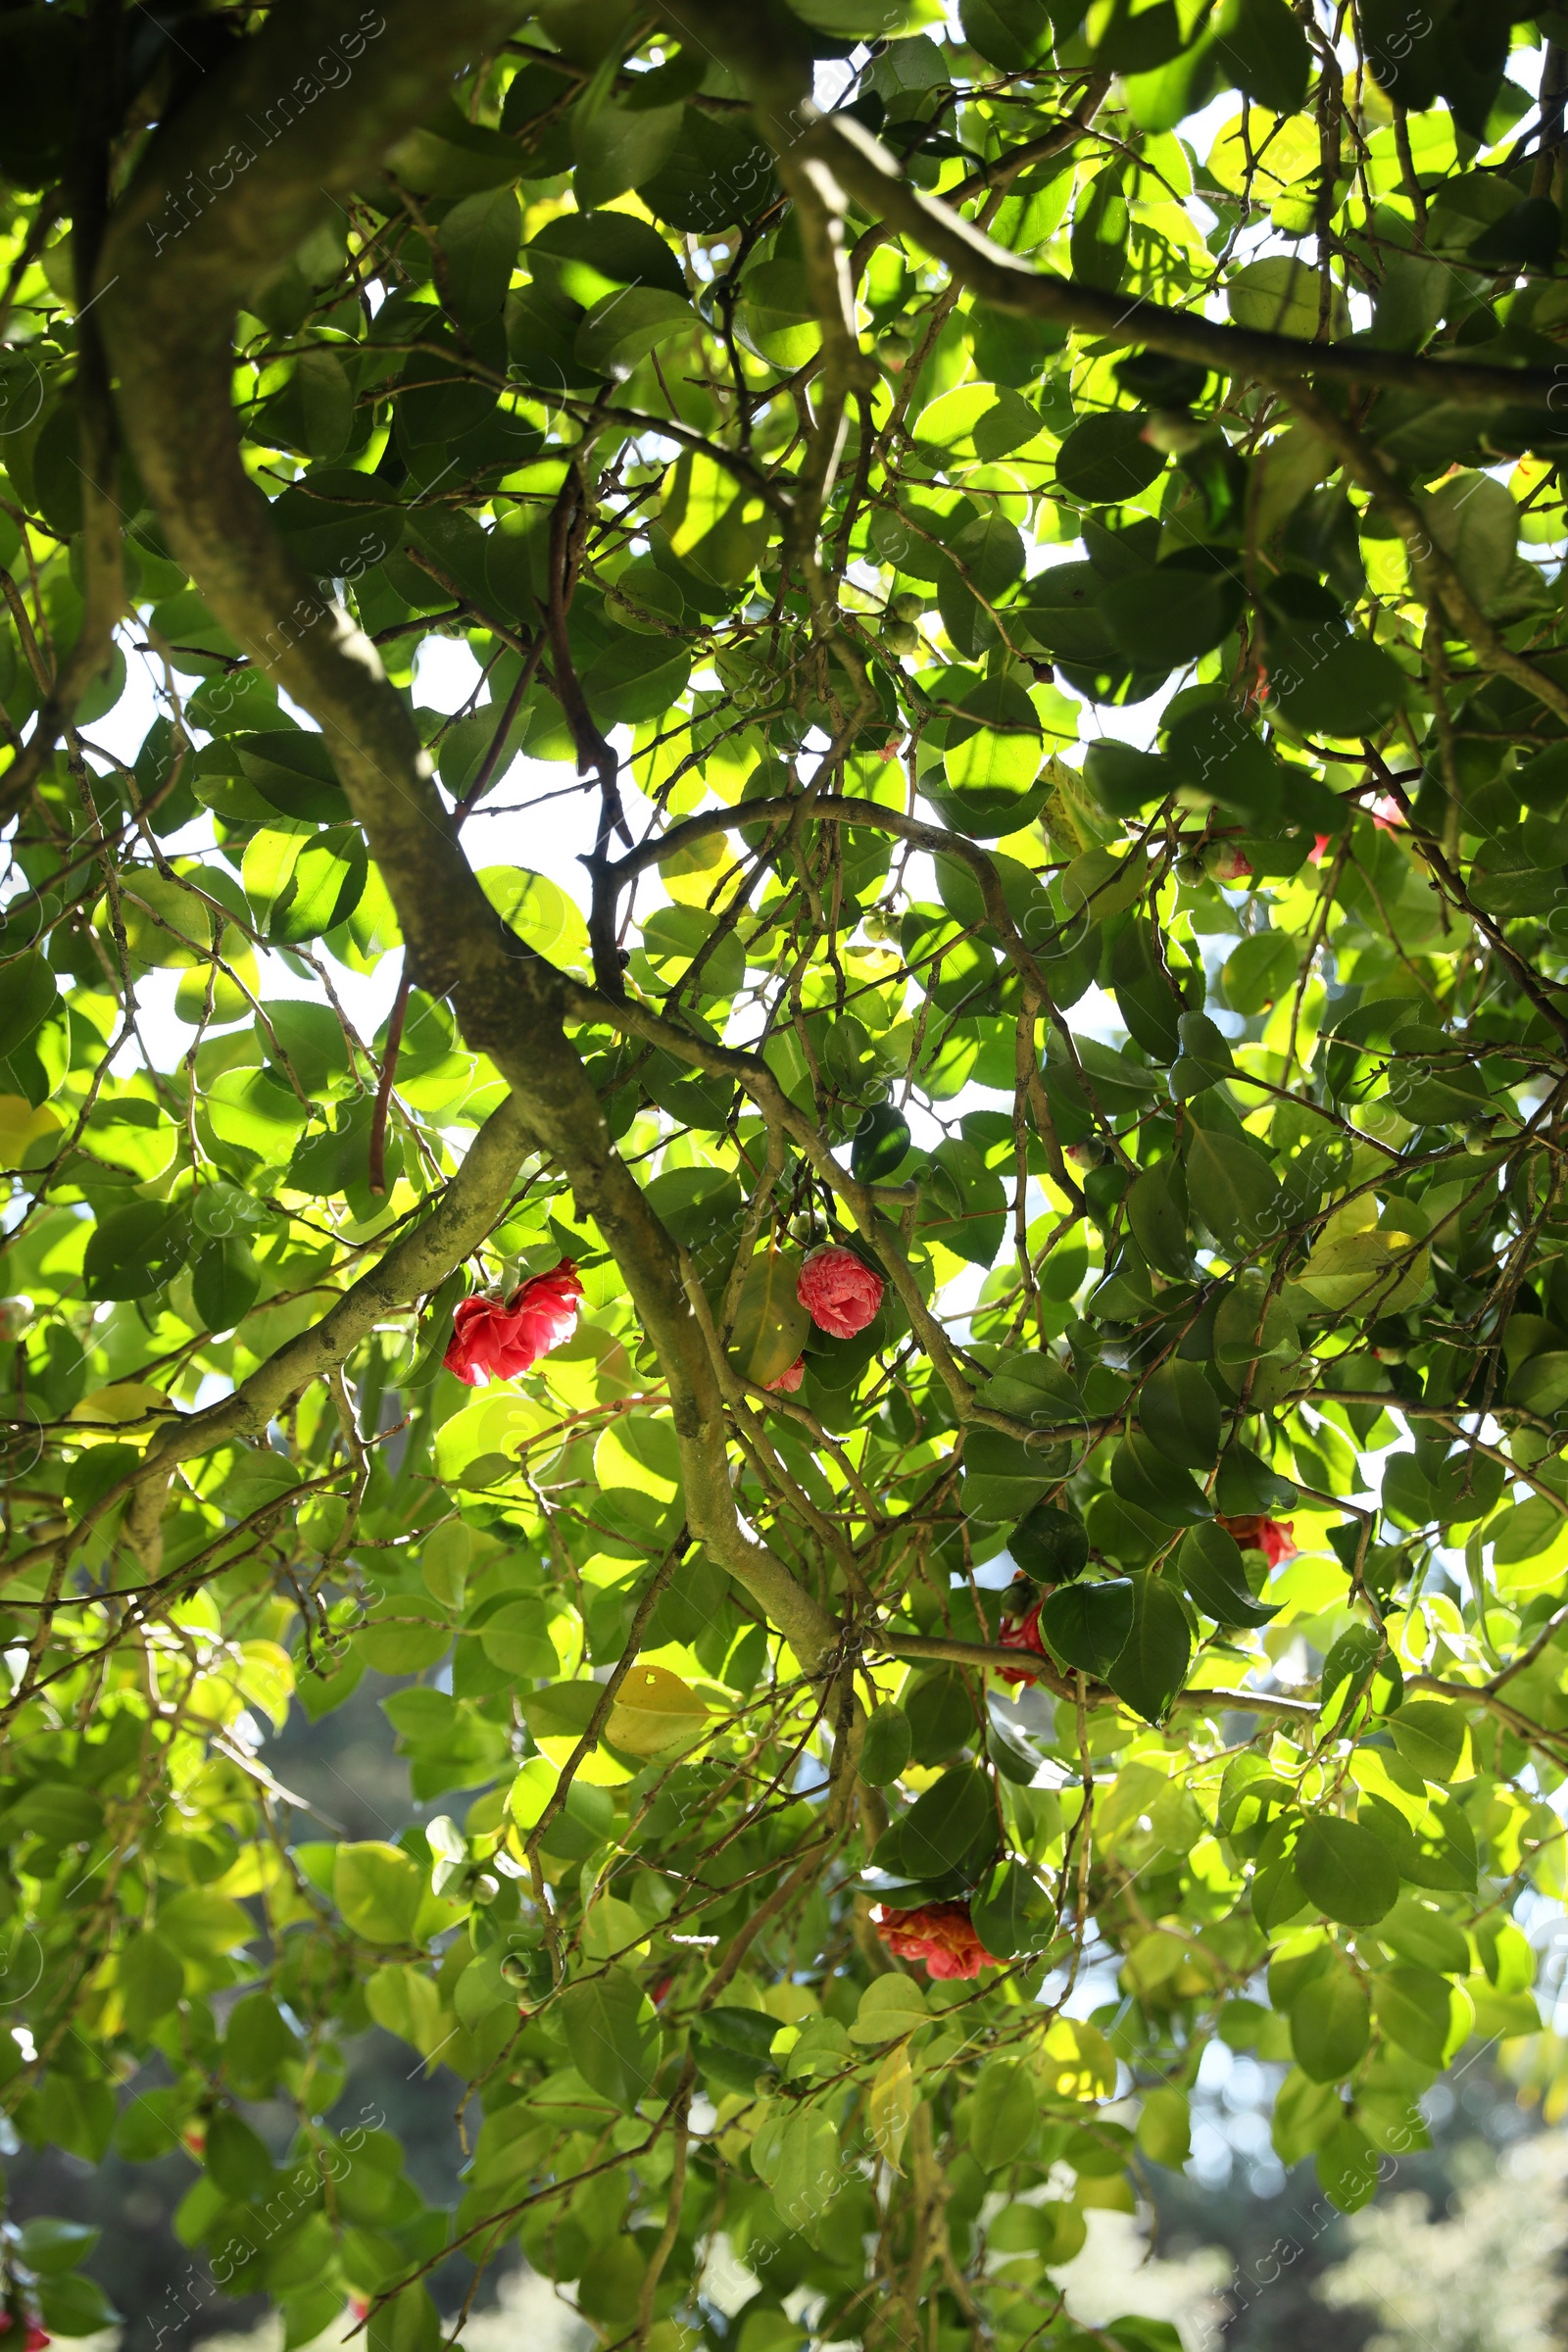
(1043,563)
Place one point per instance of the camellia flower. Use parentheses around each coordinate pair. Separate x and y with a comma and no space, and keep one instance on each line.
(942,1935)
(1275,1539)
(839,1291)
(789,1380)
(506,1340)
(1022,1633)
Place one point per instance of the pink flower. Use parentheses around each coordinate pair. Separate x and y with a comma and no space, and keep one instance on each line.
(1275,1539)
(789,1380)
(839,1291)
(505,1340)
(942,1935)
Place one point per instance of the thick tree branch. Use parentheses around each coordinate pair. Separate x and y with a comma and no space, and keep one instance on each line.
(168,305)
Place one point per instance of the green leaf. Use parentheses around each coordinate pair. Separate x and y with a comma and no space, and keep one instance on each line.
(1260,47)
(801,2166)
(135,1249)
(1421,2013)
(225,1280)
(885,1749)
(1050,1545)
(1152,1666)
(1009,34)
(75,2306)
(1246,1486)
(404,1634)
(771,1326)
(151,1979)
(378,1890)
(625,325)
(1004,2115)
(1164,2126)
(1278,295)
(52,2247)
(1179,1413)
(237,2158)
(1349,2167)
(1233,1189)
(1106,459)
(1427,1938)
(28,996)
(1331,2023)
(890,2007)
(326,881)
(1145,997)
(619,147)
(1149,1479)
(1429,1735)
(1345,1872)
(1100,227)
(479,239)
(1123,780)
(716,525)
(256,2043)
(952,1828)
(1476,523)
(516,1638)
(1014,1914)
(1002,1476)
(1087,1625)
(611,2035)
(1171,613)
(1305,2113)
(1209,1565)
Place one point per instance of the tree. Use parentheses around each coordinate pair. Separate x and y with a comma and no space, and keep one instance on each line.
(812,478)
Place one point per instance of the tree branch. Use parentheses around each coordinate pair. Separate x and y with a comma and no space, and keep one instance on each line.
(168,308)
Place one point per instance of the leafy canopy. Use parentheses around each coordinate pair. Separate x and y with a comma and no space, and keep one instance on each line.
(1041,565)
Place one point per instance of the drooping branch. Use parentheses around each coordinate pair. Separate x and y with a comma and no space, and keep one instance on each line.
(413,1266)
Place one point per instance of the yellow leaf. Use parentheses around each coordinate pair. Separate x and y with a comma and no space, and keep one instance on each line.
(654,1708)
(125,1402)
(692,876)
(1076,2061)
(891,2105)
(21,1125)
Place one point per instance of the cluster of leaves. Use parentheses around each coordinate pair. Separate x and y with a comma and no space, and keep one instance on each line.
(1199,1097)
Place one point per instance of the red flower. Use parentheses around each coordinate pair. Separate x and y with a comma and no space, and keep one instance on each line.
(839,1291)
(37,2337)
(504,1341)
(789,1380)
(1021,1633)
(1275,1539)
(942,1935)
